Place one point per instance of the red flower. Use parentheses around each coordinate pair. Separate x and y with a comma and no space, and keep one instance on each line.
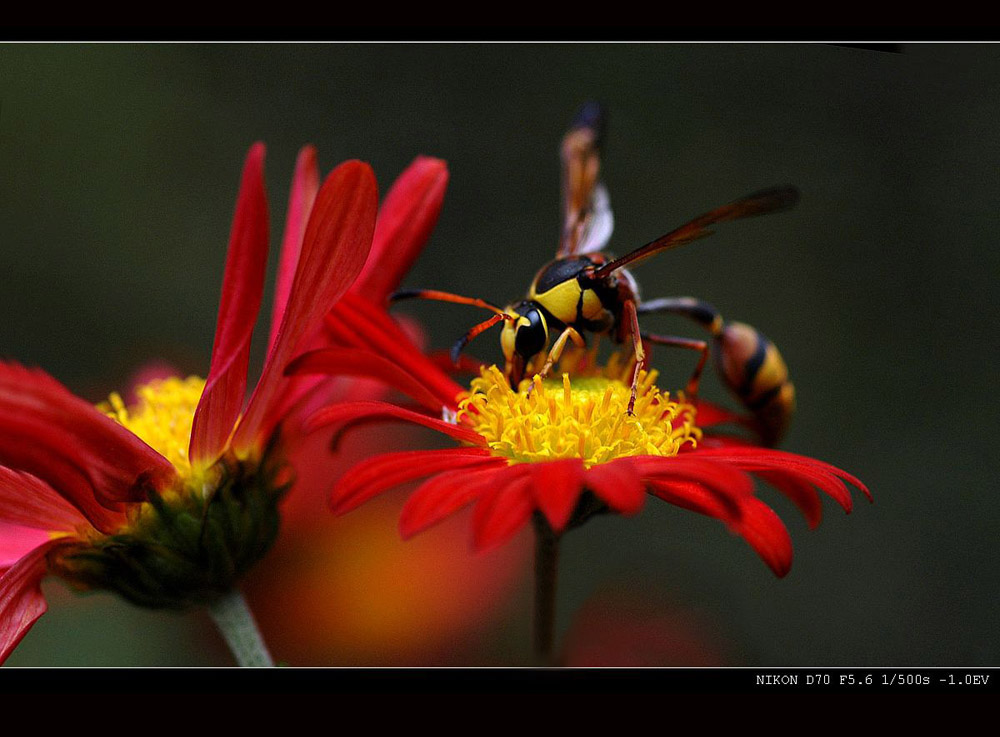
(169,501)
(565,450)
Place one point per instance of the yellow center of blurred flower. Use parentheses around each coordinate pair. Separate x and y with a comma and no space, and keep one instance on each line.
(162,417)
(585,418)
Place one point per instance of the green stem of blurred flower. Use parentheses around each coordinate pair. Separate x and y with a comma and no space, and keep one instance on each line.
(546,563)
(236,623)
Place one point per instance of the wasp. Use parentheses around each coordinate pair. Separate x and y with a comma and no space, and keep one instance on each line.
(585,290)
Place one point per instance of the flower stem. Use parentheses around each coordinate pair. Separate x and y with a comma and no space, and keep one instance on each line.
(546,562)
(236,623)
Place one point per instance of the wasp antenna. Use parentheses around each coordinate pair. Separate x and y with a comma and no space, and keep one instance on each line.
(400,294)
(474,331)
(440,296)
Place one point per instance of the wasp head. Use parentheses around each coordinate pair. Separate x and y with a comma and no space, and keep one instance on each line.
(524,336)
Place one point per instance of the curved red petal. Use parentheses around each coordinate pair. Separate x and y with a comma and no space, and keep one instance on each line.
(356,323)
(21,600)
(801,492)
(336,243)
(766,533)
(443,495)
(305,185)
(383,472)
(781,458)
(242,289)
(88,458)
(709,415)
(726,479)
(27,500)
(828,478)
(695,497)
(618,484)
(556,487)
(348,411)
(502,512)
(16,541)
(405,222)
(363,363)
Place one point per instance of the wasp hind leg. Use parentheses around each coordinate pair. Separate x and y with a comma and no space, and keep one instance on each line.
(691,390)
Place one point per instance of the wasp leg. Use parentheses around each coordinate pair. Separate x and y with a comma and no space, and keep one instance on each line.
(694,309)
(691,390)
(640,352)
(557,349)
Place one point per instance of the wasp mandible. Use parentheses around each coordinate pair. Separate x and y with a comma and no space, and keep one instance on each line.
(584,290)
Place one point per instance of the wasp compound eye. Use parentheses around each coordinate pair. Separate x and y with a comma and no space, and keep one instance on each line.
(532,334)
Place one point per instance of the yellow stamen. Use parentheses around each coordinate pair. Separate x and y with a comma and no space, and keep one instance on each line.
(584,417)
(162,417)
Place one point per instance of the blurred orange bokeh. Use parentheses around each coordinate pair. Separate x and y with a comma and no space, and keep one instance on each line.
(350,591)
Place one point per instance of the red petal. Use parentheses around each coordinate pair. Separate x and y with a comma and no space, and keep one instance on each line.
(725,479)
(383,472)
(353,362)
(445,494)
(356,323)
(405,222)
(348,411)
(503,511)
(16,541)
(695,497)
(709,414)
(618,484)
(305,185)
(336,244)
(242,287)
(828,478)
(27,500)
(765,532)
(801,492)
(21,601)
(88,458)
(556,487)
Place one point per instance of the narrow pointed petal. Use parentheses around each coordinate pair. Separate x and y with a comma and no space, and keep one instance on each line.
(502,512)
(88,458)
(353,411)
(556,487)
(364,364)
(355,323)
(695,497)
(445,494)
(305,185)
(766,534)
(617,484)
(405,222)
(800,491)
(383,472)
(242,288)
(27,500)
(21,601)
(336,243)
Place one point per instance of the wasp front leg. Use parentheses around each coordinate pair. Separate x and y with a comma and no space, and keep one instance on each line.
(557,348)
(632,322)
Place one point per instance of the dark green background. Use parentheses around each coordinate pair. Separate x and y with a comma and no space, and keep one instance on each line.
(118,171)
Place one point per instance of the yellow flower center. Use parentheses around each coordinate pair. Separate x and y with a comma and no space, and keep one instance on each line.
(162,417)
(585,418)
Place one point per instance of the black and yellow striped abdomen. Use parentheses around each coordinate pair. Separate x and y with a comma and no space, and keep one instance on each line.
(754,370)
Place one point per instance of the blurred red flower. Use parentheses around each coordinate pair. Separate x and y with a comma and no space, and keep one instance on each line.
(168,501)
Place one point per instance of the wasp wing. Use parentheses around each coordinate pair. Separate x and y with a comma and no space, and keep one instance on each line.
(758,203)
(586,208)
